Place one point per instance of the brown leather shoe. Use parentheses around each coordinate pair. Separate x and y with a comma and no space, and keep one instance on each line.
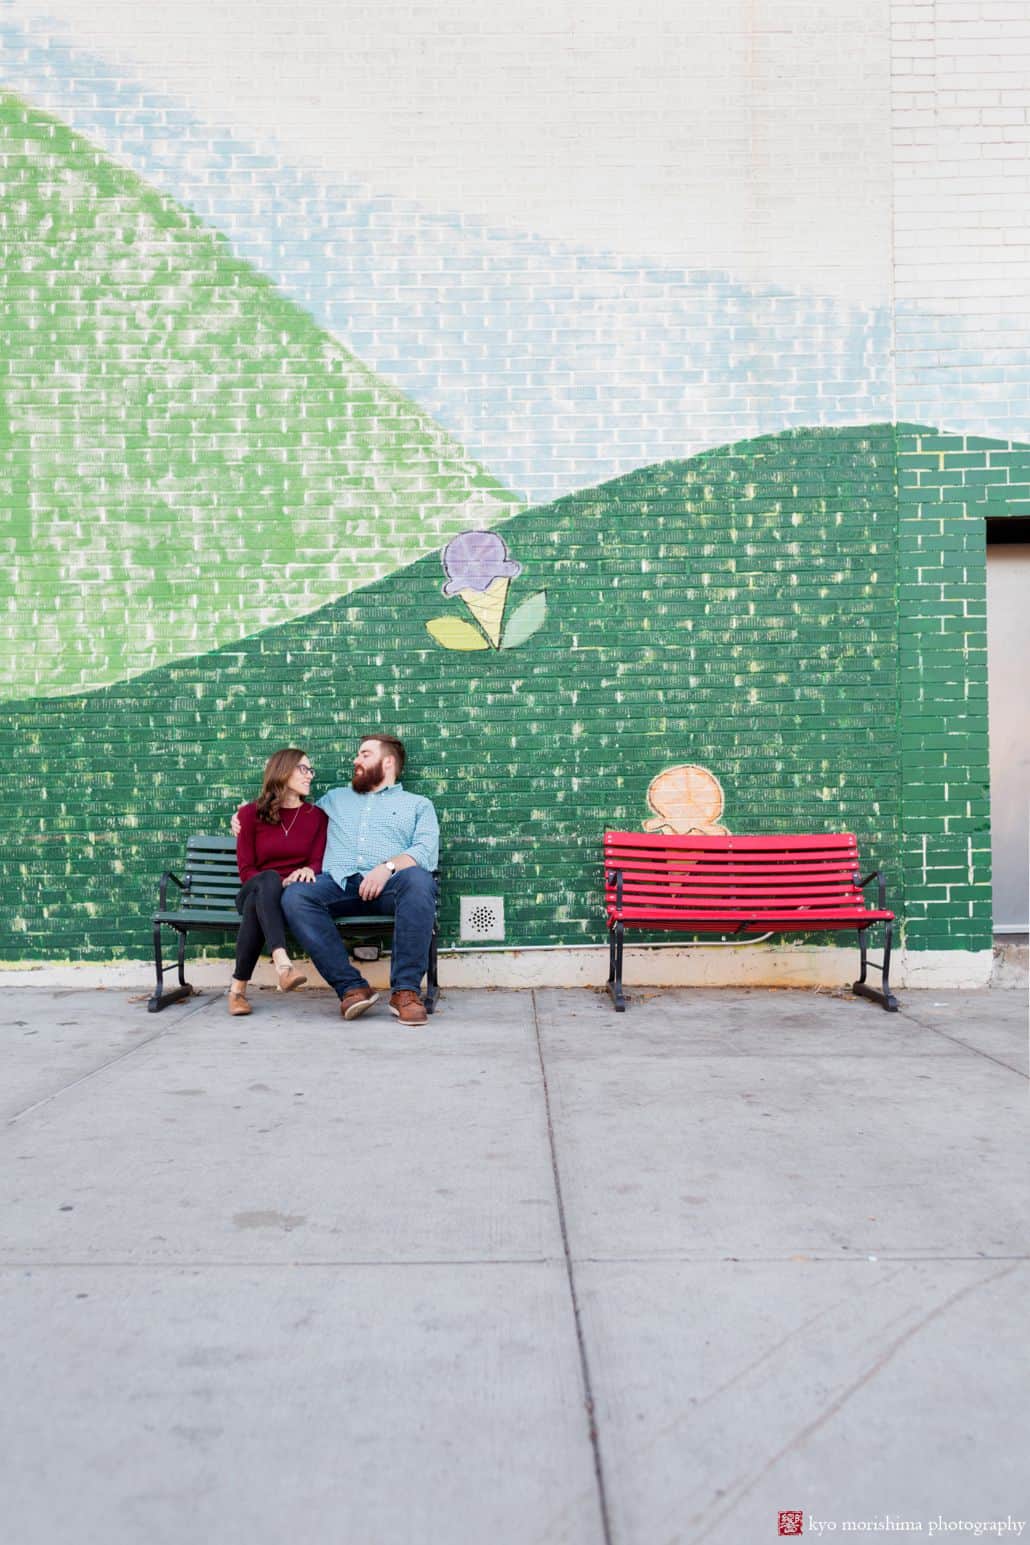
(408,1007)
(291,978)
(238,1004)
(357,1002)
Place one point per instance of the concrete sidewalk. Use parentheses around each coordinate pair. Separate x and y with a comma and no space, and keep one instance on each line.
(536,1273)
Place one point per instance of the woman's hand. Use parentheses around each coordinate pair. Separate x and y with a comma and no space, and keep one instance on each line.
(234,824)
(303,876)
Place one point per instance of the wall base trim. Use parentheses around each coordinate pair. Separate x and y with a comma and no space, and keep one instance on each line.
(789,965)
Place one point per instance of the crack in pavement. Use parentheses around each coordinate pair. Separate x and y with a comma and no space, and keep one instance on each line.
(55,1094)
(748,1484)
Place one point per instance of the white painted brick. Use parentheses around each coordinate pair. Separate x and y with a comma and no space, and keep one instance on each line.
(962,213)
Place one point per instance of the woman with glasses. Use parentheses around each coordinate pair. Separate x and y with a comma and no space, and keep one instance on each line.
(281,842)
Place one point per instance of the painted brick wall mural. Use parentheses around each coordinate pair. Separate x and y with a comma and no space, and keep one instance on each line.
(609,404)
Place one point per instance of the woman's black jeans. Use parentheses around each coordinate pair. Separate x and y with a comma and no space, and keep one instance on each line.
(260,904)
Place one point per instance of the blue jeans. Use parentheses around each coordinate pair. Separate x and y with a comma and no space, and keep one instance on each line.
(409,897)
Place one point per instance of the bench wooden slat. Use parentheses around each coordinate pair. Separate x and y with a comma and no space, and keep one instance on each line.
(725,880)
(743,840)
(187,908)
(734,913)
(197,918)
(681,885)
(760,901)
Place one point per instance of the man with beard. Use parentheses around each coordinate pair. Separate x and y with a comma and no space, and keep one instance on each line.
(381,850)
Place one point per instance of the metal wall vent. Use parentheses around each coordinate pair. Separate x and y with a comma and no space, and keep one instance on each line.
(482,918)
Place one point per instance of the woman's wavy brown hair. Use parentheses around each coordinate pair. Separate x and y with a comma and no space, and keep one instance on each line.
(278,769)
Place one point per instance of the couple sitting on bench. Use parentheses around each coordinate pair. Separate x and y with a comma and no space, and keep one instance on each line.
(372,847)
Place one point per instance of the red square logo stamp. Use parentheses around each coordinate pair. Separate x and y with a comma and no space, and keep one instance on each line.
(792,1523)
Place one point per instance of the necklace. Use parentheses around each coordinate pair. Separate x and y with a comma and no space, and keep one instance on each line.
(286,830)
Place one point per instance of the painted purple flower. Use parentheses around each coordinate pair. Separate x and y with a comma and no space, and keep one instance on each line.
(474,560)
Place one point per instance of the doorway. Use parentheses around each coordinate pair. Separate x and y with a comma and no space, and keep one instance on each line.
(1008,668)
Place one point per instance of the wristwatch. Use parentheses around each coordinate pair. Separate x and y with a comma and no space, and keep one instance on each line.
(390,865)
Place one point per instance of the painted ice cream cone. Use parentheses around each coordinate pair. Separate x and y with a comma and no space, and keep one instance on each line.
(487,606)
(479,571)
(686,799)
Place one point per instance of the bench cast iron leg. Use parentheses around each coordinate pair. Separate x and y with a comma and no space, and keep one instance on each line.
(618,997)
(861,988)
(161,999)
(432,981)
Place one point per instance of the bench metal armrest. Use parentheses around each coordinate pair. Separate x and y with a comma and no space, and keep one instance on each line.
(614,877)
(163,893)
(881,889)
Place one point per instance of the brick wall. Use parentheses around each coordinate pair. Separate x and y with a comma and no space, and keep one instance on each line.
(949,486)
(693,617)
(961,132)
(718,313)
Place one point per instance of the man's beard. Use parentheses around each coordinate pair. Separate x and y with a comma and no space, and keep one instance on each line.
(366,778)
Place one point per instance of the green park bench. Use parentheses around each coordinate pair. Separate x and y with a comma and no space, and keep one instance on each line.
(204,903)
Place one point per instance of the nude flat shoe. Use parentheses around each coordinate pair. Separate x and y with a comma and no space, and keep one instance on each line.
(291,978)
(238,1004)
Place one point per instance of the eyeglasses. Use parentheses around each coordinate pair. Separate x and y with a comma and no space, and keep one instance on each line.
(302,767)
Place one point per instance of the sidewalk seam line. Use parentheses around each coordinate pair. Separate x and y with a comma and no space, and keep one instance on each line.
(955,1041)
(181,1263)
(584,1364)
(56,1094)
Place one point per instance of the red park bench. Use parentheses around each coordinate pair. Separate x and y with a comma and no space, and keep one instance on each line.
(741,885)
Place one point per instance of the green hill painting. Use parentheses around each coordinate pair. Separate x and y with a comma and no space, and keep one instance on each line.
(693,615)
(185,457)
